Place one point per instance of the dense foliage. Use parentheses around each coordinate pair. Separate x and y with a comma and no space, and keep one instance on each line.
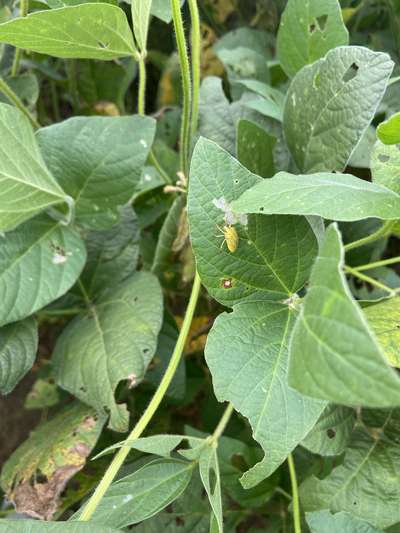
(199,217)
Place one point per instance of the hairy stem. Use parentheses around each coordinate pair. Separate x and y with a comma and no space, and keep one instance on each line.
(295,495)
(23,11)
(369,280)
(14,98)
(383,231)
(196,63)
(144,420)
(142,87)
(186,85)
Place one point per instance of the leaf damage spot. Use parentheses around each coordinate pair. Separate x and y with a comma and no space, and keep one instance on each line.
(383,158)
(351,72)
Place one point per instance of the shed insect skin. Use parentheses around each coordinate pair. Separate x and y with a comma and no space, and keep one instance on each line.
(231,237)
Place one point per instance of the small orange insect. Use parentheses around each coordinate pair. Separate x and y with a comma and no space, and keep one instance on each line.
(231,237)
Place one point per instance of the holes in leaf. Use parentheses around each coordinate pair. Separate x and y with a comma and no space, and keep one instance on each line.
(317,81)
(261,209)
(383,158)
(213,480)
(145,351)
(135,299)
(318,23)
(40,477)
(331,433)
(351,72)
(227,284)
(82,389)
(321,21)
(236,182)
(102,45)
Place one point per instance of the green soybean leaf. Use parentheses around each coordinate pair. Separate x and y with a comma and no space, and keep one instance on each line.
(144,493)
(320,135)
(27,187)
(385,166)
(115,340)
(91,31)
(325,522)
(332,432)
(211,479)
(312,194)
(274,254)
(255,379)
(35,526)
(37,472)
(369,462)
(255,149)
(333,354)
(98,160)
(25,86)
(39,262)
(162,10)
(388,132)
(141,11)
(308,30)
(112,253)
(18,346)
(384,319)
(161,445)
(168,234)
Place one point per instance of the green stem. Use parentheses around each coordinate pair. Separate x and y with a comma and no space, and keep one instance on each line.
(186,85)
(61,312)
(377,264)
(144,420)
(14,98)
(295,495)
(383,231)
(222,423)
(23,11)
(369,280)
(196,63)
(156,164)
(394,80)
(142,87)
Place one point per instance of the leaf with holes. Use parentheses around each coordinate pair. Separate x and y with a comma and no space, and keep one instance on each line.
(385,166)
(330,104)
(308,30)
(255,380)
(339,197)
(98,160)
(39,262)
(18,346)
(115,340)
(37,472)
(332,432)
(365,485)
(333,354)
(211,479)
(27,187)
(273,255)
(91,31)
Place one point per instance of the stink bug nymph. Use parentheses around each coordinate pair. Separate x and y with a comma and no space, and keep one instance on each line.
(231,237)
